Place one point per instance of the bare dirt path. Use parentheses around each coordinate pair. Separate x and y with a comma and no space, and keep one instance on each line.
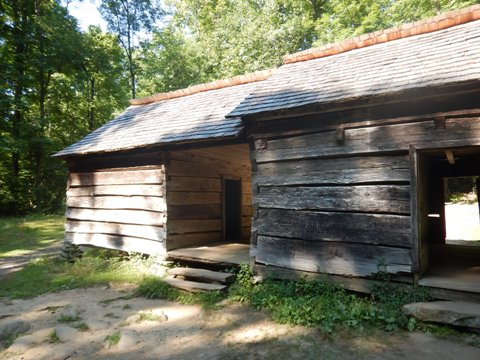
(110,325)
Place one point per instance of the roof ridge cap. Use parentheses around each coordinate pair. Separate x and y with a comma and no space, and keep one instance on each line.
(213,85)
(436,23)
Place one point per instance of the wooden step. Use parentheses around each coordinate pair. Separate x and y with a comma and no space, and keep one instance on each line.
(192,286)
(202,275)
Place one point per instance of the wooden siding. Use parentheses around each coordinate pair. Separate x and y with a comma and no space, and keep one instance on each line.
(337,199)
(195,193)
(120,208)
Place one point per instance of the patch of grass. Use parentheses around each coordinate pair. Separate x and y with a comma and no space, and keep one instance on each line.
(149,316)
(69,318)
(156,288)
(21,236)
(324,305)
(126,307)
(50,274)
(7,342)
(53,337)
(80,325)
(113,339)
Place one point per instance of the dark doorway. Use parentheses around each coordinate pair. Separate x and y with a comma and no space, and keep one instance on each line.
(232,200)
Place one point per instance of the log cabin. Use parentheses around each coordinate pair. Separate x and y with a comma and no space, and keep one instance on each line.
(170,172)
(335,163)
(351,144)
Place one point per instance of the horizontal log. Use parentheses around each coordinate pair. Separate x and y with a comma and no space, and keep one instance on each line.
(131,161)
(193,226)
(211,211)
(375,139)
(154,203)
(125,190)
(122,243)
(373,198)
(192,240)
(155,233)
(178,183)
(331,257)
(352,170)
(193,198)
(391,230)
(152,176)
(199,167)
(137,217)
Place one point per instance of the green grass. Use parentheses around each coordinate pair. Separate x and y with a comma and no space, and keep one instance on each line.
(21,236)
(113,339)
(49,274)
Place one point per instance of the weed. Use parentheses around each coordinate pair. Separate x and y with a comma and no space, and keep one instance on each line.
(127,307)
(156,288)
(149,316)
(67,318)
(111,315)
(53,337)
(113,339)
(80,325)
(8,341)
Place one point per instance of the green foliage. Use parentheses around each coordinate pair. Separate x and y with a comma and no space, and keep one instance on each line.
(66,318)
(156,288)
(80,325)
(53,337)
(322,304)
(113,339)
(50,274)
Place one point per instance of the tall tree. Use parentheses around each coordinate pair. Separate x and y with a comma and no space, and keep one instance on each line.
(128,19)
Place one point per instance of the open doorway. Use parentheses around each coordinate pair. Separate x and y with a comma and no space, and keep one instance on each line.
(232,200)
(448,216)
(462,215)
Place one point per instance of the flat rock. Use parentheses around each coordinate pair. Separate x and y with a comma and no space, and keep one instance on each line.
(23,343)
(95,325)
(65,333)
(456,313)
(13,327)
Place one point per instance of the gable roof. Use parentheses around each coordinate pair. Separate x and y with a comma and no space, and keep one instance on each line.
(411,56)
(193,114)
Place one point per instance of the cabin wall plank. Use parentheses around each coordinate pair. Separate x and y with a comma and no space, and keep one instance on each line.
(117,207)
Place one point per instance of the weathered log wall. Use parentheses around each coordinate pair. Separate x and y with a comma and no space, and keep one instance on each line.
(335,198)
(195,193)
(115,203)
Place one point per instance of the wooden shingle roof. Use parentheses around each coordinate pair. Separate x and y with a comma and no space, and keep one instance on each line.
(193,114)
(435,52)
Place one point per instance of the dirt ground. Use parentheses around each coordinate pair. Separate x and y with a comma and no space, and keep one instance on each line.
(157,329)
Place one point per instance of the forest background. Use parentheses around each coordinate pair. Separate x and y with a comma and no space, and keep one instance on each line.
(58,83)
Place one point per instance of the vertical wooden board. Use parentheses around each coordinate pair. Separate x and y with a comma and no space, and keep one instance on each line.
(153,203)
(151,176)
(330,257)
(122,243)
(351,170)
(155,233)
(380,229)
(371,198)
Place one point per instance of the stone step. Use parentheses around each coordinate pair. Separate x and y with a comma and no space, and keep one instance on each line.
(456,313)
(192,286)
(202,275)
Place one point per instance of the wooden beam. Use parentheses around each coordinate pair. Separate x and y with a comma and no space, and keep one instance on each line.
(450,157)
